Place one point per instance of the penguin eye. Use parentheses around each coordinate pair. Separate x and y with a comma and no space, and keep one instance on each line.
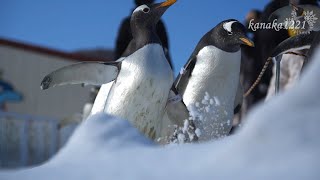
(146,10)
(229,33)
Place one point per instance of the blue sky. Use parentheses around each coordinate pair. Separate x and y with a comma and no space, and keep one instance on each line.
(70,25)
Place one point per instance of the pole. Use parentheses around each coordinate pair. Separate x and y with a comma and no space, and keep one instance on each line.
(278,66)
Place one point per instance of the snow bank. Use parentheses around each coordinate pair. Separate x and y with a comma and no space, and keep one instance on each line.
(279,141)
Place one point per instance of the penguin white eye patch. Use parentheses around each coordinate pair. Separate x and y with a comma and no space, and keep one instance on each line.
(228,26)
(144,8)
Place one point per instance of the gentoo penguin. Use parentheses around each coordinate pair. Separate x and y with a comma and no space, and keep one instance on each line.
(307,37)
(294,43)
(209,81)
(142,80)
(304,24)
(299,42)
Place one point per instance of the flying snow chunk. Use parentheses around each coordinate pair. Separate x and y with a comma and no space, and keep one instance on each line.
(217,101)
(198,132)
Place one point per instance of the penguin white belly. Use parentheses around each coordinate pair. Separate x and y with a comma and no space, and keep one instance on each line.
(141,89)
(101,99)
(211,91)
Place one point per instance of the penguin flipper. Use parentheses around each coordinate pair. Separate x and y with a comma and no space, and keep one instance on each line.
(299,42)
(182,80)
(93,73)
(176,110)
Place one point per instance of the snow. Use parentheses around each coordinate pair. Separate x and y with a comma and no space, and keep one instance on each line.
(207,96)
(181,138)
(278,140)
(211,101)
(198,132)
(217,101)
(185,126)
(208,116)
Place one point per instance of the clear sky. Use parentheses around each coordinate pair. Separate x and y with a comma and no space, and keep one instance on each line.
(70,25)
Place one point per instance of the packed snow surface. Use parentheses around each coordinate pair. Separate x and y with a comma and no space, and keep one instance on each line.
(279,140)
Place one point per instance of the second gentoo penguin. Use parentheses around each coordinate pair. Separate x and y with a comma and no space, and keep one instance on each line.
(304,22)
(299,42)
(142,80)
(209,82)
(309,35)
(294,43)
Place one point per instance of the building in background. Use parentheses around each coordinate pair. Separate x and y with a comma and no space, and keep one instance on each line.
(30,130)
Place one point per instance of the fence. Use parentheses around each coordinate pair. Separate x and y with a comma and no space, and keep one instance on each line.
(27,140)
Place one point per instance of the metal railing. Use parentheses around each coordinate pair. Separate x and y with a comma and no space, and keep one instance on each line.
(26,140)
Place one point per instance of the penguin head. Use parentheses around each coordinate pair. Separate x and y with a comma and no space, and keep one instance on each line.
(230,35)
(141,2)
(147,16)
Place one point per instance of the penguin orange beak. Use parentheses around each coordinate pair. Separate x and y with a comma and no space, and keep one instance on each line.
(167,3)
(247,42)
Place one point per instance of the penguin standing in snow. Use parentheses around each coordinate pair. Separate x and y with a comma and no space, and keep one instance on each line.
(209,82)
(142,80)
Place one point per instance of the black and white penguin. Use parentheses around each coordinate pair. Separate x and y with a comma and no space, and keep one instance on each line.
(308,38)
(209,82)
(294,43)
(299,42)
(142,79)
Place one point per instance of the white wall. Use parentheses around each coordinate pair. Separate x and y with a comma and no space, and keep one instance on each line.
(25,70)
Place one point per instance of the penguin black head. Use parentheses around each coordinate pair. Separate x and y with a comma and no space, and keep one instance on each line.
(229,35)
(143,25)
(141,2)
(146,17)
